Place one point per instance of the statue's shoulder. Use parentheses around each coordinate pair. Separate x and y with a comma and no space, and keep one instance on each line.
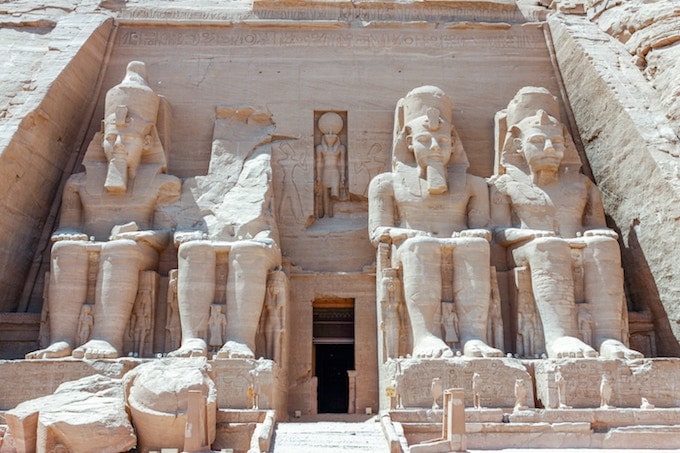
(75,181)
(501,183)
(381,182)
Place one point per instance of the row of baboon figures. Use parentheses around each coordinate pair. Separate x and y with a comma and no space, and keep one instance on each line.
(431,221)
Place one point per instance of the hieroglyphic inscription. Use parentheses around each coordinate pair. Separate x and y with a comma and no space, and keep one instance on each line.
(326,38)
(344,12)
(495,386)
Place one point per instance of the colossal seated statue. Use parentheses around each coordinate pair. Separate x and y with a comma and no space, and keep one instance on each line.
(111,223)
(546,213)
(428,208)
(227,237)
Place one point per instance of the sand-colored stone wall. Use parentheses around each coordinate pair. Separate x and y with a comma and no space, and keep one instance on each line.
(633,154)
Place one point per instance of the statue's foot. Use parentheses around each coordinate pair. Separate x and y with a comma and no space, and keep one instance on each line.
(431,347)
(477,348)
(54,351)
(569,347)
(95,349)
(234,350)
(193,347)
(614,349)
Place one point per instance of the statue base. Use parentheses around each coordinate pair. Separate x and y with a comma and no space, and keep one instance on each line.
(407,381)
(233,379)
(495,429)
(630,380)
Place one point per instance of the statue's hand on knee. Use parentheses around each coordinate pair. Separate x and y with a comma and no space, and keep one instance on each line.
(606,232)
(68,235)
(474,233)
(187,236)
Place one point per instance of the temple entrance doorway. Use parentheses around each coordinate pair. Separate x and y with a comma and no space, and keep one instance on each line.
(333,343)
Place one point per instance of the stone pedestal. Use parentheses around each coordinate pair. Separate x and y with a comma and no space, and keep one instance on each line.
(412,379)
(233,377)
(653,379)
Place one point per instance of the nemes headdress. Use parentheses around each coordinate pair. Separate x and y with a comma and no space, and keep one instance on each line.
(132,102)
(544,108)
(430,102)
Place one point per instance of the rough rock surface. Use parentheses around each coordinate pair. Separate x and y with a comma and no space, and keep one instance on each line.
(633,152)
(84,415)
(157,394)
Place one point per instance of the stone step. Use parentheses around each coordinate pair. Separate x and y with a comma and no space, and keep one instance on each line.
(329,437)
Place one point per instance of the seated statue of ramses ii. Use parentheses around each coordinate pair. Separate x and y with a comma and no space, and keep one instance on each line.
(429,205)
(228,227)
(112,219)
(544,209)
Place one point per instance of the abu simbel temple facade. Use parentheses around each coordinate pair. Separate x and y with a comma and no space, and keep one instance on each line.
(455,220)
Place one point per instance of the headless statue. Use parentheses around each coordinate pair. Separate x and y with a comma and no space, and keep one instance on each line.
(229,220)
(439,207)
(112,210)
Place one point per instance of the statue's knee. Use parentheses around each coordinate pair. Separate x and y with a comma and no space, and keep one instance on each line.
(553,246)
(419,245)
(120,247)
(195,250)
(473,246)
(253,251)
(69,248)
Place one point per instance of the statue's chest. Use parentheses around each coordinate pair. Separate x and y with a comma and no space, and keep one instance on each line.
(553,202)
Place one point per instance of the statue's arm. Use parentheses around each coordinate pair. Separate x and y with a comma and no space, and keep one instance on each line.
(594,222)
(381,213)
(70,221)
(478,213)
(501,217)
(167,193)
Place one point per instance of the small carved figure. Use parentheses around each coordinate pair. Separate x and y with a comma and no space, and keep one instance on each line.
(476,398)
(254,389)
(172,326)
(391,316)
(85,324)
(140,322)
(605,393)
(436,390)
(218,326)
(440,207)
(274,315)
(561,384)
(585,324)
(450,321)
(645,404)
(330,164)
(520,395)
(118,202)
(543,206)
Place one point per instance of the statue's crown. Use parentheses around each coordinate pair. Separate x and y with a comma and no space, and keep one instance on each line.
(135,94)
(528,101)
(422,101)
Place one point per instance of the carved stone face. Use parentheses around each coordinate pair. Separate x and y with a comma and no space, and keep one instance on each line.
(432,150)
(124,143)
(543,146)
(430,145)
(123,147)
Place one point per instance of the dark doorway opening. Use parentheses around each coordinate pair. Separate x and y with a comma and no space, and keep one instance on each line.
(332,363)
(333,353)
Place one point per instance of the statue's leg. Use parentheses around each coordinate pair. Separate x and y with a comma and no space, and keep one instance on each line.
(472,289)
(67,294)
(549,260)
(117,281)
(603,282)
(196,262)
(421,265)
(249,265)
